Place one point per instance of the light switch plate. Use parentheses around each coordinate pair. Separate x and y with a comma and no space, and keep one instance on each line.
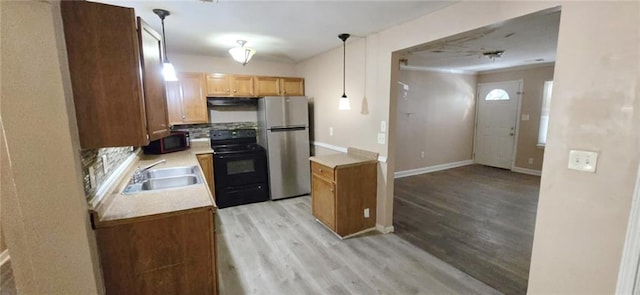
(330,131)
(584,161)
(381,138)
(105,164)
(92,177)
(383,126)
(525,117)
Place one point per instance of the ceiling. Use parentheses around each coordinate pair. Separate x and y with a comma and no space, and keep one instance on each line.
(527,40)
(284,31)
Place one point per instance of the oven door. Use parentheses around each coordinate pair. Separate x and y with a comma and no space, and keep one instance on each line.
(238,169)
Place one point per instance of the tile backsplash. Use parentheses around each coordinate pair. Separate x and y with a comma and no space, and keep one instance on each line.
(202,130)
(94,158)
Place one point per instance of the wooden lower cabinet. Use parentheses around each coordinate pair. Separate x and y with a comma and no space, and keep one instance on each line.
(340,195)
(206,164)
(160,255)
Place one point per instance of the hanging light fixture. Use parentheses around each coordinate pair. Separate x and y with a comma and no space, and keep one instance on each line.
(168,70)
(343,103)
(242,54)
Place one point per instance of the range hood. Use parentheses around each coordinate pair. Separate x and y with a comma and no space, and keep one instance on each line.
(231,101)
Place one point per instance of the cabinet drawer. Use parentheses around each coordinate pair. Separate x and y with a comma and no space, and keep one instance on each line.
(322,170)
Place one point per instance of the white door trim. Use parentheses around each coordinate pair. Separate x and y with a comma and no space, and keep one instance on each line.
(629,272)
(519,106)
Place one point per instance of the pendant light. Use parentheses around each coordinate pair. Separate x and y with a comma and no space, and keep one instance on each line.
(168,70)
(343,103)
(242,54)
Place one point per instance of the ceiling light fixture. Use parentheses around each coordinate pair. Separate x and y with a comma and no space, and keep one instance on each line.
(493,54)
(242,54)
(343,103)
(168,71)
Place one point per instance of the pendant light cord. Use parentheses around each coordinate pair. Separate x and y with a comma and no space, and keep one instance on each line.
(164,42)
(344,66)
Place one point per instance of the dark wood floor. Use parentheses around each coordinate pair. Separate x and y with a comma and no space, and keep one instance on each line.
(478,219)
(7,284)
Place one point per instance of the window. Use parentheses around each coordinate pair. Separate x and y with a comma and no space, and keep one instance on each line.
(497,94)
(544,113)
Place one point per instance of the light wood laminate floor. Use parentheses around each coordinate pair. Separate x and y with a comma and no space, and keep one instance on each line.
(279,248)
(479,219)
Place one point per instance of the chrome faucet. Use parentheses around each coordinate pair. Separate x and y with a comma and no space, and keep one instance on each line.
(137,175)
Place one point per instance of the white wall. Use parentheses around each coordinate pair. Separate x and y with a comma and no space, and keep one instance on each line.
(44,211)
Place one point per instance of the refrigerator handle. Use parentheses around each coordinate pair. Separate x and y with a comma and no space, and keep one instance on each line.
(287,128)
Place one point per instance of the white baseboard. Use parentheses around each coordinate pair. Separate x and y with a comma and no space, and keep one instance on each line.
(405,173)
(526,171)
(4,257)
(384,230)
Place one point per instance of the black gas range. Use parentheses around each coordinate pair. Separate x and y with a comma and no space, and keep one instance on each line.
(240,168)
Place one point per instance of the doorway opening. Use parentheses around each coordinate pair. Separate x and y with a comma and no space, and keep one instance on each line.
(467,156)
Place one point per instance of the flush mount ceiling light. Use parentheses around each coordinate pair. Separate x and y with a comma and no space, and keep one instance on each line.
(168,71)
(242,54)
(343,103)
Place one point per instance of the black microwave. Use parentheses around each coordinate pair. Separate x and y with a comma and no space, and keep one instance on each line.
(177,141)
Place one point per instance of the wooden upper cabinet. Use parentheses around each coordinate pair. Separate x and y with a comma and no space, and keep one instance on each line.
(292,86)
(218,85)
(155,99)
(267,86)
(276,86)
(242,86)
(187,99)
(104,55)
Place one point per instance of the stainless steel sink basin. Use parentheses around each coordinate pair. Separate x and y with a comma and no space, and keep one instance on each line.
(166,178)
(170,172)
(169,182)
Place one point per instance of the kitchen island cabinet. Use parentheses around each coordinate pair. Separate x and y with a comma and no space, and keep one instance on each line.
(343,191)
(116,75)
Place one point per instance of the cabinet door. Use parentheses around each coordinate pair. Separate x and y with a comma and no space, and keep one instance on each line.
(108,103)
(292,86)
(218,85)
(206,164)
(267,86)
(323,201)
(242,86)
(174,102)
(194,99)
(155,99)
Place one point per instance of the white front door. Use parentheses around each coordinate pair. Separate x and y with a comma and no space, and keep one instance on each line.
(496,123)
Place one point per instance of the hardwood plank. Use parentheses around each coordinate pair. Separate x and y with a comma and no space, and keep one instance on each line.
(478,219)
(279,248)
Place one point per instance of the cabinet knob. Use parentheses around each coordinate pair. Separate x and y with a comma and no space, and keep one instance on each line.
(331,190)
(235,90)
(320,169)
(227,90)
(184,117)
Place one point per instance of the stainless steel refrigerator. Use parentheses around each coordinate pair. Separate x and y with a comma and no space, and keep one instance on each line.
(283,130)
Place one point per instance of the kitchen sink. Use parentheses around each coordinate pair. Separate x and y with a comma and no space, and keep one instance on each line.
(170,172)
(169,182)
(165,178)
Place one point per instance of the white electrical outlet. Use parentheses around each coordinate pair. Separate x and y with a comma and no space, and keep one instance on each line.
(530,161)
(366,213)
(105,164)
(584,161)
(421,154)
(92,177)
(381,138)
(330,131)
(383,126)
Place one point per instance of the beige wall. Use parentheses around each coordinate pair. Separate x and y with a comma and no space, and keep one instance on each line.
(436,116)
(226,65)
(531,101)
(582,217)
(3,243)
(44,211)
